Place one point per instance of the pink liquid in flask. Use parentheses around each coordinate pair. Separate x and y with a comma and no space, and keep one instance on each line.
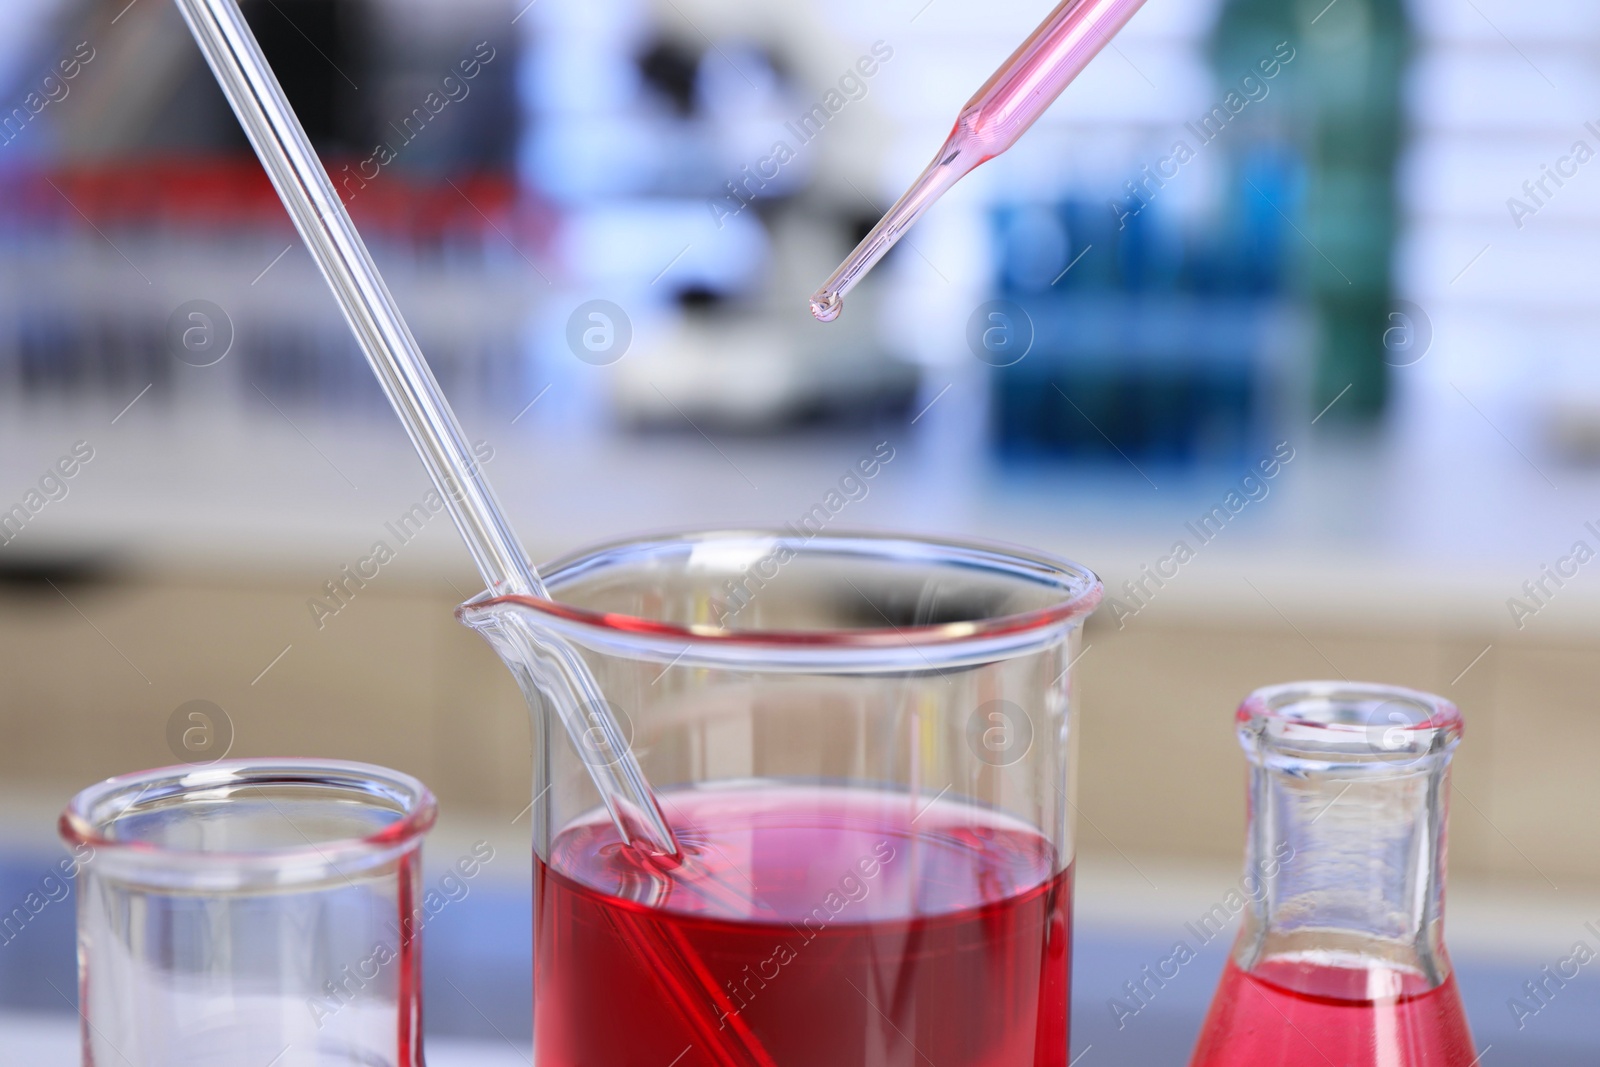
(1340,957)
(807,925)
(1282,1014)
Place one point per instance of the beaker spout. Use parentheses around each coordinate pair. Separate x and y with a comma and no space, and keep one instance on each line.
(551,674)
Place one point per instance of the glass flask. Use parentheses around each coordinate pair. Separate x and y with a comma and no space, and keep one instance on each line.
(1340,957)
(864,745)
(250,912)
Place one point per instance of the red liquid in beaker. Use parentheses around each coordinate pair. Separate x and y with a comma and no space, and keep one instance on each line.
(823,925)
(1255,1020)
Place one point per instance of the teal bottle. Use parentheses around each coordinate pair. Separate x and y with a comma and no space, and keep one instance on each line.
(1336,106)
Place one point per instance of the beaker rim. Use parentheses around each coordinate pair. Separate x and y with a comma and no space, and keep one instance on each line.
(89,817)
(1372,723)
(999,636)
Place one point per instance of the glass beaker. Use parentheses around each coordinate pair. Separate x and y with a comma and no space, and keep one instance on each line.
(250,912)
(1340,957)
(865,747)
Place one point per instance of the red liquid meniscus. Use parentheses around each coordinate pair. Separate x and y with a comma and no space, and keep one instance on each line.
(807,926)
(1308,1014)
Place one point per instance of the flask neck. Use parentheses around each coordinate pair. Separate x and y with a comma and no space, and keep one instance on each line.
(1349,789)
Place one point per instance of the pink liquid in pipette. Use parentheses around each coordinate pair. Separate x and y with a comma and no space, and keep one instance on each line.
(992,121)
(1029,82)
(806,926)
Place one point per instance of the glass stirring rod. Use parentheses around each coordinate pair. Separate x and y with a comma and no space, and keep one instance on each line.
(991,122)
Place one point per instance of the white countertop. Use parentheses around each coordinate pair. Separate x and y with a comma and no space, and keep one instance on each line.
(1439,524)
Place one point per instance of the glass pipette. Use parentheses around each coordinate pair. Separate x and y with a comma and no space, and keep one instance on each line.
(991,122)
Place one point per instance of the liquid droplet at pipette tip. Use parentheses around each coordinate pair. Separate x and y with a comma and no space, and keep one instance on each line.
(825,306)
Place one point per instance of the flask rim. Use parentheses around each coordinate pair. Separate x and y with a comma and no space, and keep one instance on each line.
(1369,723)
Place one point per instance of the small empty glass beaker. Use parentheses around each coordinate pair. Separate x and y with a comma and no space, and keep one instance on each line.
(864,745)
(1340,957)
(250,912)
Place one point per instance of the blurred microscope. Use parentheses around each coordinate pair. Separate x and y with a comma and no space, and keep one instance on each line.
(683,167)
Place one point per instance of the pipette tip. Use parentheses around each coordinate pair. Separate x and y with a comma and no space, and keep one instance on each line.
(825,306)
